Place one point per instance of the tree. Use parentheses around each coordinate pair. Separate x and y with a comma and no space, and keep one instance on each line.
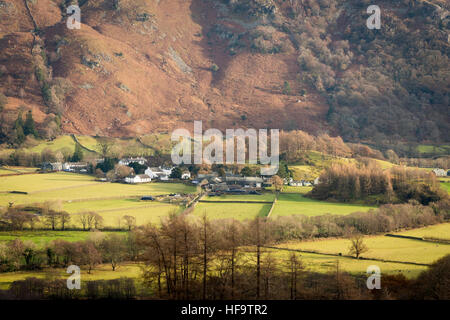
(357,246)
(277,182)
(247,172)
(64,218)
(176,173)
(122,171)
(29,126)
(104,146)
(137,167)
(18,129)
(113,250)
(77,154)
(51,218)
(89,255)
(295,267)
(130,221)
(286,88)
(3,101)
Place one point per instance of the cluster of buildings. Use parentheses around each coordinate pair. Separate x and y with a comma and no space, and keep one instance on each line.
(441,172)
(212,182)
(79,167)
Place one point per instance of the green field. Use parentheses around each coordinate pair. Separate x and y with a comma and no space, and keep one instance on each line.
(293,203)
(380,247)
(446,186)
(76,193)
(102,272)
(45,236)
(69,186)
(425,148)
(149,213)
(238,211)
(439,231)
(324,263)
(269,197)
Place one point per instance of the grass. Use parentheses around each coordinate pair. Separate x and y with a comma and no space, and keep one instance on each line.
(152,213)
(57,144)
(445,186)
(442,149)
(70,186)
(293,203)
(42,237)
(269,197)
(238,211)
(380,247)
(324,263)
(101,272)
(439,231)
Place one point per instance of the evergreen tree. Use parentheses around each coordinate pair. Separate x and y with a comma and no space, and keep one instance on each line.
(176,173)
(29,126)
(78,153)
(18,129)
(20,136)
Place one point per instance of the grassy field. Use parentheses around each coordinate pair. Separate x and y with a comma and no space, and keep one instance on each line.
(239,211)
(324,263)
(269,197)
(69,186)
(151,213)
(446,186)
(439,231)
(45,236)
(293,203)
(424,148)
(102,272)
(380,247)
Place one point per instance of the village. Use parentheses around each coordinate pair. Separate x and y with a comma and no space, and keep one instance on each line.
(213,183)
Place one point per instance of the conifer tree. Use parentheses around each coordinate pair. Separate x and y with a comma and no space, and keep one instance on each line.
(29,126)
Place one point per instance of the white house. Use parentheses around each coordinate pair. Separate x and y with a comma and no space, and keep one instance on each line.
(440,172)
(75,166)
(160,173)
(186,175)
(127,161)
(140,178)
(295,183)
(316,181)
(153,172)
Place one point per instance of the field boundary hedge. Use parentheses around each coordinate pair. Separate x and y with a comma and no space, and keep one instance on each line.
(426,239)
(347,256)
(273,205)
(235,201)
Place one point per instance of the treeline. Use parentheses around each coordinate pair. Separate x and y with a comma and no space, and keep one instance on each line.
(49,216)
(350,182)
(184,258)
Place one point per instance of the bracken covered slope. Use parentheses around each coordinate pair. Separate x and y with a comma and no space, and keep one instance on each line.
(140,66)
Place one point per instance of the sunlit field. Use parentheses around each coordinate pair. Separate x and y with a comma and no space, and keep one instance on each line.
(293,203)
(70,186)
(380,247)
(439,231)
(238,211)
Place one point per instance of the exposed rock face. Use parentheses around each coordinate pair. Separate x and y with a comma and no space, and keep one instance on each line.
(139,66)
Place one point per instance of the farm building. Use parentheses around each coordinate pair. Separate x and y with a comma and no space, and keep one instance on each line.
(52,166)
(127,161)
(246,182)
(76,167)
(140,178)
(159,172)
(440,172)
(186,175)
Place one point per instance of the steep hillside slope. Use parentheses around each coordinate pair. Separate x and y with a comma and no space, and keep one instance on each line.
(139,66)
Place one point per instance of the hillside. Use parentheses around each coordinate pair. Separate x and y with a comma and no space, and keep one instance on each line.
(138,66)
